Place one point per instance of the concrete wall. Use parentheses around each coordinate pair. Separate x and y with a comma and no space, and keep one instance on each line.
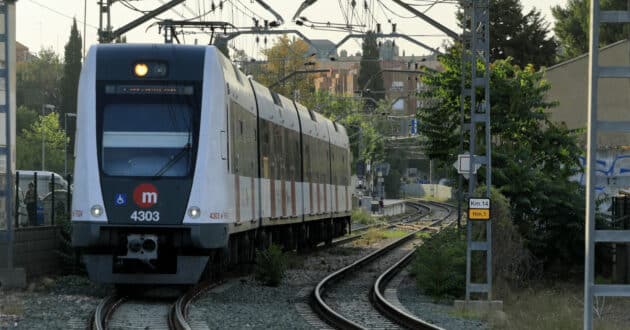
(34,250)
(427,190)
(569,86)
(390,207)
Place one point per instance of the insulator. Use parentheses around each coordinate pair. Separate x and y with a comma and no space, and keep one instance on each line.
(213,6)
(265,41)
(257,39)
(394,27)
(353,3)
(378,27)
(221,5)
(365,5)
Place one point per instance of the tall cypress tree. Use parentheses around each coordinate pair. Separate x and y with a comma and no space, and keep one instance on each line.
(70,79)
(369,76)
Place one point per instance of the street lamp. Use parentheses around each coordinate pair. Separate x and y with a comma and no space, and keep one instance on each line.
(65,144)
(51,108)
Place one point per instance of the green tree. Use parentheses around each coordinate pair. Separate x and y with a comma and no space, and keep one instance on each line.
(38,80)
(29,144)
(524,37)
(25,117)
(532,157)
(369,70)
(572,26)
(70,79)
(287,55)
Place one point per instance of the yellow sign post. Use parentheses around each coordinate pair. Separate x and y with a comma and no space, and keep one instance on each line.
(479,209)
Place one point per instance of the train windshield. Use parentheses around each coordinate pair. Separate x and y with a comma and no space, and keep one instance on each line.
(147,137)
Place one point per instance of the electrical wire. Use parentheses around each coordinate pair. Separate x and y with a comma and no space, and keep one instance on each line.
(380,2)
(62,14)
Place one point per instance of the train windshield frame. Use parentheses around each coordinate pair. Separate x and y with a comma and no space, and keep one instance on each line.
(148,130)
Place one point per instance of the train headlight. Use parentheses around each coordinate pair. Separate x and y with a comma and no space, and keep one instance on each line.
(96,210)
(194,212)
(140,69)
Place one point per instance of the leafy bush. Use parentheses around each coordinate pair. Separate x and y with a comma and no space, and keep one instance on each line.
(440,265)
(270,265)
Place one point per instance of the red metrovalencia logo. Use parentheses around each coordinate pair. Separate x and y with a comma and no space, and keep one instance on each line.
(145,195)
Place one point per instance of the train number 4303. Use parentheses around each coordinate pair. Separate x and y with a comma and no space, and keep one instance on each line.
(145,216)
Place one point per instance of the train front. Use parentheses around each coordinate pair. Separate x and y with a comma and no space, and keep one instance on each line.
(139,112)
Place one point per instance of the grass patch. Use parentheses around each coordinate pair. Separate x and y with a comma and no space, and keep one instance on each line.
(362,217)
(395,233)
(424,235)
(560,307)
(374,235)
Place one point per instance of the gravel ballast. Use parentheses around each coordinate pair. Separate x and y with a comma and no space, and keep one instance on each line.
(241,303)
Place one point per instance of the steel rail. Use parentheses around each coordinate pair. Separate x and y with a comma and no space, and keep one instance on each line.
(326,312)
(179,310)
(394,313)
(104,311)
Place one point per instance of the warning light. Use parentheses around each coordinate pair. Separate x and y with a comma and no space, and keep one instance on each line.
(141,69)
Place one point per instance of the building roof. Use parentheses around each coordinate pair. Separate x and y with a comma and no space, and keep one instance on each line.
(577,58)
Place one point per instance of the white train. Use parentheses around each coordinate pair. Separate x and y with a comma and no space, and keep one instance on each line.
(182,160)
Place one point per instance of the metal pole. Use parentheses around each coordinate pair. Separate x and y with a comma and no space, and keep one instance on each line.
(9,57)
(591,155)
(65,144)
(43,140)
(84,25)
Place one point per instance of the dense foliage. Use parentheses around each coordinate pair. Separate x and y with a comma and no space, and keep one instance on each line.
(524,37)
(532,157)
(440,264)
(29,143)
(38,80)
(572,26)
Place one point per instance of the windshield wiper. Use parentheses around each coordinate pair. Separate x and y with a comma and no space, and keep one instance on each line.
(173,160)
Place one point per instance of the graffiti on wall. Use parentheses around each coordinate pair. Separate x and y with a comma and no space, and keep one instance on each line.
(612,174)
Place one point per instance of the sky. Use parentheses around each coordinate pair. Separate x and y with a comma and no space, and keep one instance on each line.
(46,23)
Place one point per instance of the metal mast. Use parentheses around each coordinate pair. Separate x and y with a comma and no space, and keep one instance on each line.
(594,126)
(476,97)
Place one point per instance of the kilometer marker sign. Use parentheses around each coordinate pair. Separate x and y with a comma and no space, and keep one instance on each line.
(479,209)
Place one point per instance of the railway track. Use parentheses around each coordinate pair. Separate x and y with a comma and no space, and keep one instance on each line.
(405,218)
(348,299)
(138,312)
(120,311)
